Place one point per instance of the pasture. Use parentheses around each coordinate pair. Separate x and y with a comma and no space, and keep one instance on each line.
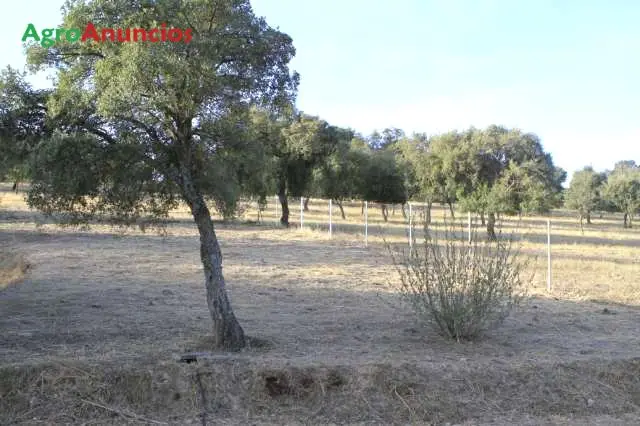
(94,331)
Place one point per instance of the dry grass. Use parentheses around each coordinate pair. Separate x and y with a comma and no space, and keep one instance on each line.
(94,331)
(13,267)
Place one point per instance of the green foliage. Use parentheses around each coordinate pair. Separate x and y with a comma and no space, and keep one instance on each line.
(584,193)
(115,183)
(495,170)
(340,176)
(22,123)
(295,144)
(177,110)
(463,289)
(622,189)
(425,178)
(383,179)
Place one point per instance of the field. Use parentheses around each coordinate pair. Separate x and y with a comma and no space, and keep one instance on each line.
(93,332)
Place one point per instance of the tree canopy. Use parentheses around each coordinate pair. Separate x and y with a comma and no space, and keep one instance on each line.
(23,123)
(622,189)
(585,192)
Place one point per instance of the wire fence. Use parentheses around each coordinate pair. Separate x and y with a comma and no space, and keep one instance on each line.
(363,220)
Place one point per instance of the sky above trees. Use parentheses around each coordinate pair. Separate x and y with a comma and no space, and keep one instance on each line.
(564,70)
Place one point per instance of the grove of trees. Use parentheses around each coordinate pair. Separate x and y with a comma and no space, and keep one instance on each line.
(129,130)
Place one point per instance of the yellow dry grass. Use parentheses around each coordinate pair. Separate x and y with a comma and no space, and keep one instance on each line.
(94,330)
(13,267)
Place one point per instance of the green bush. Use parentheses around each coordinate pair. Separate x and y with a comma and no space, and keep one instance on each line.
(463,288)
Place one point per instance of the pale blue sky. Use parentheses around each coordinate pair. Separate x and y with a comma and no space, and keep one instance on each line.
(566,70)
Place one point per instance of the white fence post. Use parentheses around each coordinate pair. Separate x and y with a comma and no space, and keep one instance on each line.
(548,254)
(330,218)
(469,226)
(301,211)
(366,223)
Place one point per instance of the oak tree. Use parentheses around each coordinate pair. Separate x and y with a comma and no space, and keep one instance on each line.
(145,122)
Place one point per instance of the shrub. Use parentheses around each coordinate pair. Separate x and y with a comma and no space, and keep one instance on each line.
(464,288)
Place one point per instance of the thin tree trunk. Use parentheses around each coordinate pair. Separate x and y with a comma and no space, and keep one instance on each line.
(306,204)
(385,212)
(588,218)
(227,332)
(362,208)
(339,203)
(453,215)
(482,218)
(625,220)
(282,197)
(581,223)
(491,227)
(14,188)
(404,212)
(262,206)
(428,213)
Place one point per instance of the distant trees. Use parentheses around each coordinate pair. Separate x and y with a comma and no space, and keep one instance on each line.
(383,180)
(585,193)
(294,144)
(616,190)
(341,176)
(492,171)
(622,189)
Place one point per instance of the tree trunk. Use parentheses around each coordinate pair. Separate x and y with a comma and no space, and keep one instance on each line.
(491,227)
(482,218)
(581,223)
(404,212)
(227,332)
(282,197)
(339,203)
(306,204)
(262,206)
(362,209)
(453,215)
(14,188)
(588,218)
(385,212)
(625,220)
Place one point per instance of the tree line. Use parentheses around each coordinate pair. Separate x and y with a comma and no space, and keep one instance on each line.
(489,171)
(129,130)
